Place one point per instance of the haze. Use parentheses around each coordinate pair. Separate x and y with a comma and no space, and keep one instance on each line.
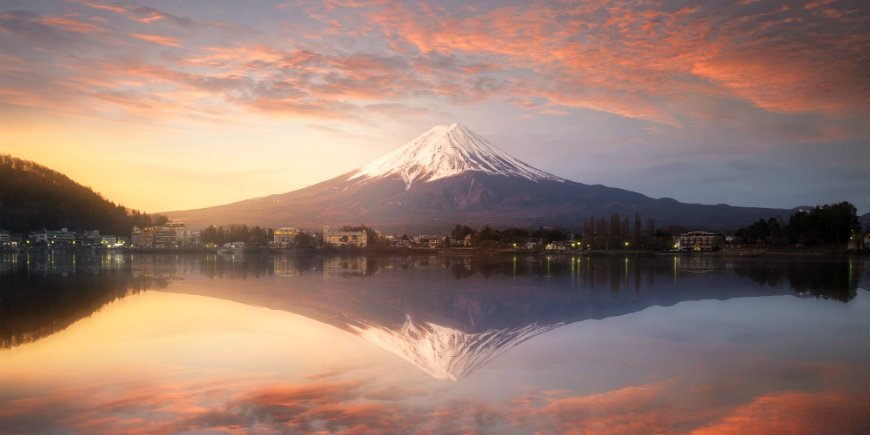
(185,104)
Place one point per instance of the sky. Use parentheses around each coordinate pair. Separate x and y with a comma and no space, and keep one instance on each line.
(170,105)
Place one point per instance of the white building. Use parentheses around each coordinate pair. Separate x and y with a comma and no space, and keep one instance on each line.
(285,235)
(182,235)
(700,241)
(171,235)
(341,239)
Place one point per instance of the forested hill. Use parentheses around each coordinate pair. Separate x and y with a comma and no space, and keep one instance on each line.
(33,197)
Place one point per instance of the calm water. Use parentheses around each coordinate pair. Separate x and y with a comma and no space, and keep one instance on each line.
(165,343)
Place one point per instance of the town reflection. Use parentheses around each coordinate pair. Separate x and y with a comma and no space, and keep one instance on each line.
(43,293)
(407,305)
(836,279)
(172,343)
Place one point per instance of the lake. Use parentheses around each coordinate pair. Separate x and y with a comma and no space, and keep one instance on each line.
(107,343)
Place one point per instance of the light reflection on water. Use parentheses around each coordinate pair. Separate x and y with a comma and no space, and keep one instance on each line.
(428,343)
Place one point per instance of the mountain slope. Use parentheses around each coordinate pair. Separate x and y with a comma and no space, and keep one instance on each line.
(33,197)
(450,175)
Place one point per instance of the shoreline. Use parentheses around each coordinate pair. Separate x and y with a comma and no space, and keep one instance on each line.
(816,252)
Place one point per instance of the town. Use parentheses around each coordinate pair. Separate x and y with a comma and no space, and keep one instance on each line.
(616,234)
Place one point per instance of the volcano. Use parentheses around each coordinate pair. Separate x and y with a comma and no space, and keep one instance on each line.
(450,175)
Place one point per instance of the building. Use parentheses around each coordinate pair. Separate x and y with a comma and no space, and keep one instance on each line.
(435,243)
(15,240)
(856,241)
(111,242)
(556,246)
(342,239)
(5,239)
(701,241)
(165,237)
(56,238)
(171,235)
(400,243)
(530,243)
(426,241)
(90,238)
(285,236)
(142,237)
(182,235)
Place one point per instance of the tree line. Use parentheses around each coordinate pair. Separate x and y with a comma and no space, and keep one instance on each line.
(604,233)
(236,233)
(34,197)
(830,224)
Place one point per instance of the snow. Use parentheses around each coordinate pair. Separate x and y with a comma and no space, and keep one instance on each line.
(444,352)
(444,151)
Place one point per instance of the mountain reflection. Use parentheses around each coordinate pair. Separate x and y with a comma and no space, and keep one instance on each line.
(446,315)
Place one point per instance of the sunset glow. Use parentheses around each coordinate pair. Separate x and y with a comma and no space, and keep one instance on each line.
(179,105)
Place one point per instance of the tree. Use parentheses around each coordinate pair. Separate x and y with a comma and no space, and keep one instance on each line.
(637,228)
(826,224)
(460,231)
(235,233)
(304,240)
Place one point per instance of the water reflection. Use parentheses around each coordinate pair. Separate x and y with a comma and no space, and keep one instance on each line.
(408,305)
(166,343)
(45,293)
(836,280)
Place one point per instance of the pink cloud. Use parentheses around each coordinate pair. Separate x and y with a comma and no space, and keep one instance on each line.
(71,25)
(338,403)
(796,413)
(157,39)
(665,66)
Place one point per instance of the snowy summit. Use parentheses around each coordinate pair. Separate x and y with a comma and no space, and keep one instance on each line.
(444,352)
(444,151)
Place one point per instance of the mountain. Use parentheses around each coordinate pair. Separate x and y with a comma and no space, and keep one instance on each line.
(451,175)
(33,197)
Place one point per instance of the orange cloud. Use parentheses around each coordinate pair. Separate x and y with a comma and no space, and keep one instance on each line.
(651,62)
(101,6)
(790,83)
(796,413)
(157,39)
(152,404)
(640,61)
(71,25)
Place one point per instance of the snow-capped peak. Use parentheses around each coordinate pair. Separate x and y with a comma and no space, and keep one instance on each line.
(444,151)
(444,352)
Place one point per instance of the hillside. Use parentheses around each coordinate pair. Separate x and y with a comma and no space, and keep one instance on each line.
(33,197)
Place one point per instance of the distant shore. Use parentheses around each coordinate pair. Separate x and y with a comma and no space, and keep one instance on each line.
(816,252)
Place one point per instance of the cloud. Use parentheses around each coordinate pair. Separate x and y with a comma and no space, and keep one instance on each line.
(157,39)
(661,63)
(45,32)
(796,412)
(638,61)
(71,25)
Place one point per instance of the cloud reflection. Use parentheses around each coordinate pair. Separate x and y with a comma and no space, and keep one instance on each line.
(237,405)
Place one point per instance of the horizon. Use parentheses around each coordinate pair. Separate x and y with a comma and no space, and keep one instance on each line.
(184,105)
